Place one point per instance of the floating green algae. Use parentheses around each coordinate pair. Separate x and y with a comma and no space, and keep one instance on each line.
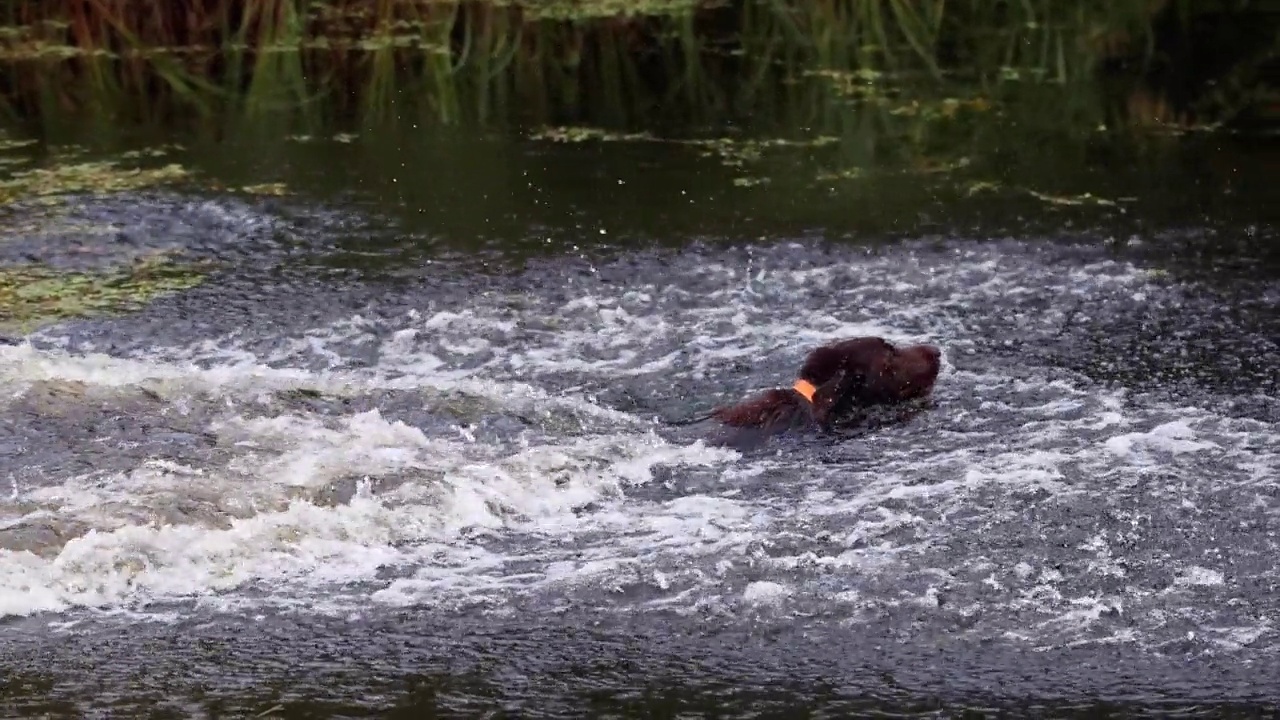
(340,137)
(32,197)
(577,133)
(593,9)
(271,188)
(736,153)
(1082,199)
(33,295)
(99,176)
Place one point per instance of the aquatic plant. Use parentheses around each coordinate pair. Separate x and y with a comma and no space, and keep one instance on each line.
(597,61)
(860,88)
(97,176)
(33,295)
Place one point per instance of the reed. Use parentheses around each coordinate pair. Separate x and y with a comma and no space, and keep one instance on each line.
(611,62)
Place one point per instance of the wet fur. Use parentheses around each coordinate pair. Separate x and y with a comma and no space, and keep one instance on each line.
(855,377)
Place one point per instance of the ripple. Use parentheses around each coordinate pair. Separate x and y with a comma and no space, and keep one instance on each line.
(496,445)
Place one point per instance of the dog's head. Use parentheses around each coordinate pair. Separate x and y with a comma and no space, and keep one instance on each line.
(881,372)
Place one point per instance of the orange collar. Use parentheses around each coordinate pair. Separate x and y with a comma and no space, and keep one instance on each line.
(805,388)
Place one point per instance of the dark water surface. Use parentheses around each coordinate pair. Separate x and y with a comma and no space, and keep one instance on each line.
(405,454)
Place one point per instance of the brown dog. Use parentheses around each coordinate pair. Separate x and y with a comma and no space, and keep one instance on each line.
(835,379)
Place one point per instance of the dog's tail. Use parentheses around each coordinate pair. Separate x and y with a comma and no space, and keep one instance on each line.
(693,420)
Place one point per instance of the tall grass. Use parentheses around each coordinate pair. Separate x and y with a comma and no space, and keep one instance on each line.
(613,62)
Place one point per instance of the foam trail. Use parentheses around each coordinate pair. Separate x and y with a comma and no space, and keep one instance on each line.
(504,452)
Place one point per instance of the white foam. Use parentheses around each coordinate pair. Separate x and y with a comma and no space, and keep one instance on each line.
(764,592)
(1175,437)
(443,521)
(280,540)
(1196,575)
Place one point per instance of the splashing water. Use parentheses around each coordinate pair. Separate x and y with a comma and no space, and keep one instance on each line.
(508,453)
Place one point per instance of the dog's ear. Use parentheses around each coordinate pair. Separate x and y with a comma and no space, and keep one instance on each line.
(824,397)
(821,364)
(827,398)
(866,361)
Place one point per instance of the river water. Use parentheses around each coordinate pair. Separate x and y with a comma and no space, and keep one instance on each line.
(307,488)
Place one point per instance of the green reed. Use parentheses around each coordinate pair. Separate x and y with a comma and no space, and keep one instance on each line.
(889,68)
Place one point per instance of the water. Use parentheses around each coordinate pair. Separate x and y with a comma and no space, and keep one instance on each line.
(410,449)
(455,489)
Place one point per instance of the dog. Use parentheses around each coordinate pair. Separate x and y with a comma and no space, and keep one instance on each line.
(855,374)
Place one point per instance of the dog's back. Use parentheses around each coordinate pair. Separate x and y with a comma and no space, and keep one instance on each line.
(835,379)
(756,419)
